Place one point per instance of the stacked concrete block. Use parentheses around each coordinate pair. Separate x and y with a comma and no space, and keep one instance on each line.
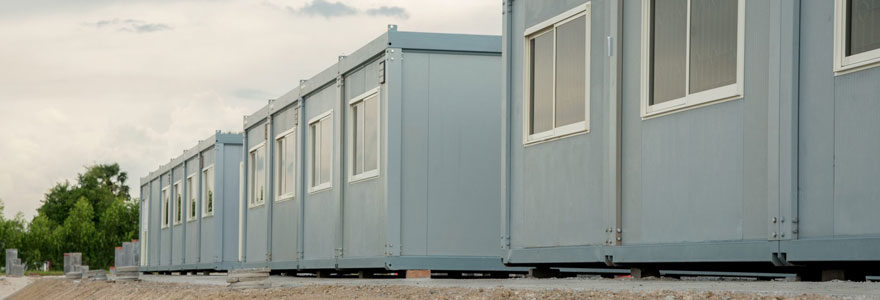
(127,273)
(126,251)
(72,261)
(73,265)
(135,252)
(14,267)
(84,272)
(99,275)
(128,254)
(11,254)
(248,278)
(119,257)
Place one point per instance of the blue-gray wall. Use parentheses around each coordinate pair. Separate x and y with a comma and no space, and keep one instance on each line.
(364,201)
(839,137)
(196,244)
(192,234)
(451,122)
(321,229)
(285,212)
(257,218)
(787,167)
(558,190)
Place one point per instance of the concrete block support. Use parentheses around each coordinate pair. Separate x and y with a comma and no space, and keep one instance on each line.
(248,278)
(418,274)
(644,272)
(127,273)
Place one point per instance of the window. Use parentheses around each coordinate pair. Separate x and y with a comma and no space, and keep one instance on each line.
(166,208)
(364,136)
(208,191)
(692,53)
(257,176)
(191,198)
(856,35)
(178,204)
(557,100)
(285,165)
(321,157)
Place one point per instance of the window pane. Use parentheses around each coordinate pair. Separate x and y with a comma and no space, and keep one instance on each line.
(541,104)
(289,162)
(252,179)
(165,207)
(864,26)
(357,165)
(279,166)
(360,137)
(261,175)
(668,50)
(326,148)
(571,69)
(371,133)
(190,195)
(315,129)
(210,185)
(713,44)
(178,203)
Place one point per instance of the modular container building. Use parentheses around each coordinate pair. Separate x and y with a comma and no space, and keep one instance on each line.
(692,134)
(387,160)
(189,207)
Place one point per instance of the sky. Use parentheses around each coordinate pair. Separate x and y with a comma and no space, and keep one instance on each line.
(136,82)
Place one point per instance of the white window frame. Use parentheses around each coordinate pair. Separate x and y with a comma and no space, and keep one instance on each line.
(533,32)
(844,64)
(252,176)
(204,196)
(279,168)
(166,207)
(327,185)
(695,100)
(192,197)
(179,212)
(353,178)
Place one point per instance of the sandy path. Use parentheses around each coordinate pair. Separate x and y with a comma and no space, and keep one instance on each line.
(10,285)
(66,289)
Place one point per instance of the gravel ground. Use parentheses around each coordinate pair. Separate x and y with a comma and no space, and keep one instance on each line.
(9,285)
(213,287)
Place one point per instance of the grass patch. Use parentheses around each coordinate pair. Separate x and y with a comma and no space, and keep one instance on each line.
(44,273)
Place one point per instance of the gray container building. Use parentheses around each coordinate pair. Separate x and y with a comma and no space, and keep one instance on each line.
(386,160)
(189,204)
(692,134)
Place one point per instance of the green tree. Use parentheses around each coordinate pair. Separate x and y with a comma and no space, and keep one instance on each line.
(12,232)
(79,234)
(40,243)
(91,216)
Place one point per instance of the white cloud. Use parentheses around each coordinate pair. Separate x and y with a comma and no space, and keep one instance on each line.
(73,95)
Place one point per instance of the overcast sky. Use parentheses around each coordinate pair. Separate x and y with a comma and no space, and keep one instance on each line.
(137,82)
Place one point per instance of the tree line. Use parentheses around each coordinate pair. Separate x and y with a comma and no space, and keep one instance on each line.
(91,216)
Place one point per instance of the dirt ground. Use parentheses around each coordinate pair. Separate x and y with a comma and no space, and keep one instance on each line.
(9,285)
(59,288)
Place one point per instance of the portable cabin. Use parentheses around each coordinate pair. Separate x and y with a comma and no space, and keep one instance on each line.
(190,206)
(730,134)
(386,160)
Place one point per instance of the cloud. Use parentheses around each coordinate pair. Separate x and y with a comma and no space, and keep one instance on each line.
(148,98)
(389,11)
(325,9)
(131,25)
